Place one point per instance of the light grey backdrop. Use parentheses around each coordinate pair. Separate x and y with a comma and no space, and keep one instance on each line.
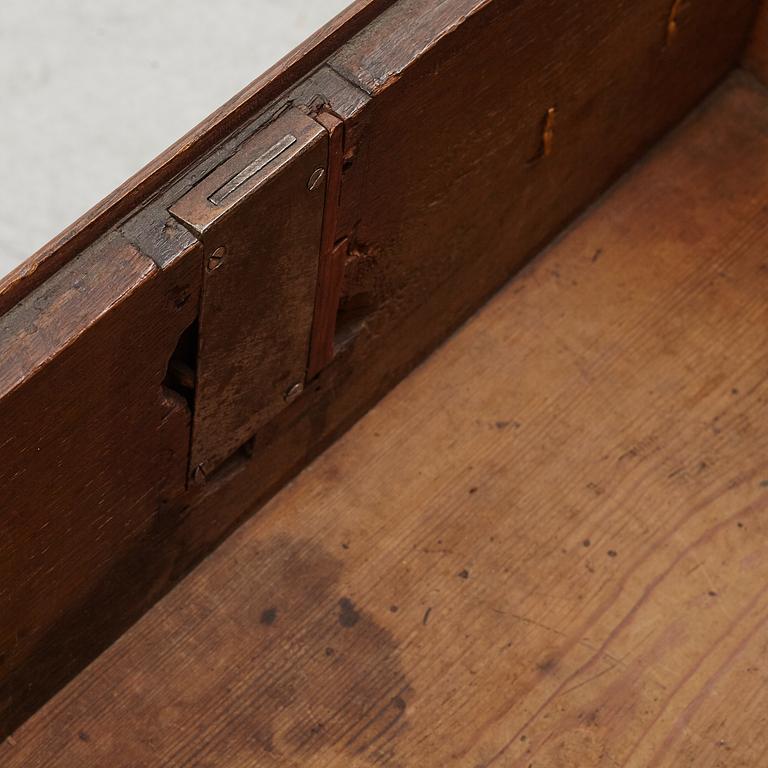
(92,90)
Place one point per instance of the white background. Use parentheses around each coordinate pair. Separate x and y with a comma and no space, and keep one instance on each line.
(92,90)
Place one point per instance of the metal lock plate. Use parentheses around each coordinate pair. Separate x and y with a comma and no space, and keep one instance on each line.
(259,216)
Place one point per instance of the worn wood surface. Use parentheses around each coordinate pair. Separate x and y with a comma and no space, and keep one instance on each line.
(756,56)
(199,141)
(92,445)
(258,294)
(545,547)
(478,160)
(473,132)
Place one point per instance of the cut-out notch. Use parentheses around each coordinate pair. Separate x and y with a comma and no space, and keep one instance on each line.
(181,374)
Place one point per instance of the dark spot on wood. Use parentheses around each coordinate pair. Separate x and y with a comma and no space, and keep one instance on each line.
(630,454)
(463,574)
(612,553)
(735,391)
(180,295)
(83,736)
(473,490)
(547,665)
(712,593)
(586,543)
(394,608)
(596,489)
(268,616)
(344,545)
(591,717)
(348,614)
(597,254)
(739,525)
(426,616)
(288,680)
(764,484)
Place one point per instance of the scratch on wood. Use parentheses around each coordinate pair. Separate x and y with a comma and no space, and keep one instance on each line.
(673,25)
(548,135)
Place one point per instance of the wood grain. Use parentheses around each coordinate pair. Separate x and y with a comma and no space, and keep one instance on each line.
(92,444)
(756,55)
(190,148)
(257,303)
(453,175)
(545,547)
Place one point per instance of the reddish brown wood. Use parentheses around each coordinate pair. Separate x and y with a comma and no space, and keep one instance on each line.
(445,193)
(190,148)
(93,445)
(545,547)
(331,268)
(756,56)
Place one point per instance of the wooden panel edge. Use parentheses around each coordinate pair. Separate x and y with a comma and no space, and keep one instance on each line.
(186,151)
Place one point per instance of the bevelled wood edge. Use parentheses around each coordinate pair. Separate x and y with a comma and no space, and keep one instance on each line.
(186,151)
(54,315)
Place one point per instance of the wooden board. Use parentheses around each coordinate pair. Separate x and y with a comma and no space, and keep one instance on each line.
(93,445)
(472,131)
(545,547)
(187,150)
(756,56)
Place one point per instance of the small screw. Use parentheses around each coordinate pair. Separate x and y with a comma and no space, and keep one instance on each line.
(315,179)
(293,392)
(215,259)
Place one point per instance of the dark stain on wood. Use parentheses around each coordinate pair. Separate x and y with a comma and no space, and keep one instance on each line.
(308,670)
(348,614)
(547,665)
(269,616)
(343,667)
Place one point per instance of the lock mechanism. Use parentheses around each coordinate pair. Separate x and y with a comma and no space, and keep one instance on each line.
(259,216)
